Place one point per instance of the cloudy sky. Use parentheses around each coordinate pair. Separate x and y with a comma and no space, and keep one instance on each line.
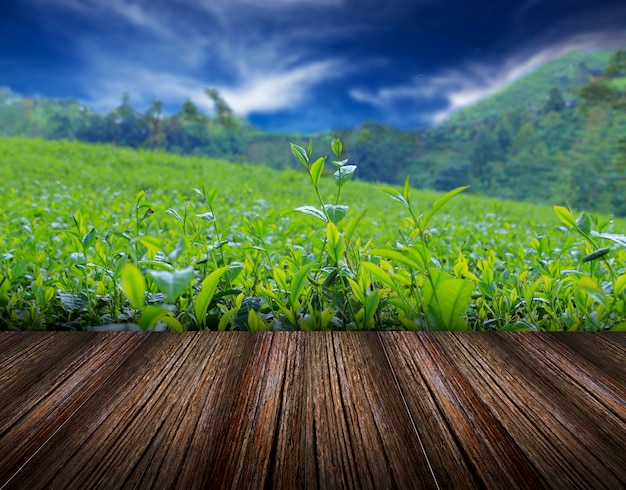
(304,65)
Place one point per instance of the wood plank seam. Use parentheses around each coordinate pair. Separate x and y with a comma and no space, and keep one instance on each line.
(406,406)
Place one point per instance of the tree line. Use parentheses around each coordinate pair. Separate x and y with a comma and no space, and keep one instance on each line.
(568,148)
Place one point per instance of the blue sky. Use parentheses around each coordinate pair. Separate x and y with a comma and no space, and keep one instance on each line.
(301,65)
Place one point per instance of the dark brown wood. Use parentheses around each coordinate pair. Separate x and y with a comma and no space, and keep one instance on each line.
(312,410)
(358,430)
(600,350)
(544,409)
(39,393)
(465,419)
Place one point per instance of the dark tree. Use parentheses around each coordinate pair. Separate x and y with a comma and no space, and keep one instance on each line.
(555,102)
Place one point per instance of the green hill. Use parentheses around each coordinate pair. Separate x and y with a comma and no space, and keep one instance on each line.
(530,91)
(531,141)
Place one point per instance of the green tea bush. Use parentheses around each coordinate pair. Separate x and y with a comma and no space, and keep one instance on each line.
(95,237)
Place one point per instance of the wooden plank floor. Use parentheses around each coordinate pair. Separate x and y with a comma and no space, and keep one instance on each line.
(312,410)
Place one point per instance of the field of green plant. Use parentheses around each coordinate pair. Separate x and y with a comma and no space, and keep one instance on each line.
(92,236)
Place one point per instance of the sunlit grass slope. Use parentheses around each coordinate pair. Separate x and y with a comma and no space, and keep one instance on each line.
(94,235)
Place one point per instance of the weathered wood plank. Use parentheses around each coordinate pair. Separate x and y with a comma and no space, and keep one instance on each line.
(82,447)
(598,349)
(468,421)
(257,418)
(50,385)
(9,338)
(182,451)
(544,410)
(20,346)
(617,337)
(449,461)
(359,433)
(311,410)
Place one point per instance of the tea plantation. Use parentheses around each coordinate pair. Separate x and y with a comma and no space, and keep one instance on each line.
(111,238)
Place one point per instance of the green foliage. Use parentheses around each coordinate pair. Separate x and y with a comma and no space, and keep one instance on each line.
(98,235)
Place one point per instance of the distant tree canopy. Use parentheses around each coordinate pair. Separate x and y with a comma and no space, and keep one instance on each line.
(555,135)
(610,86)
(609,89)
(555,102)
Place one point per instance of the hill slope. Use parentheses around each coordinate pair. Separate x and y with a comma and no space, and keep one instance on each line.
(529,141)
(530,91)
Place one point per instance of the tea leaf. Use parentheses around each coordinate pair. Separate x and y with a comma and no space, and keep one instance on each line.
(298,282)
(89,238)
(439,203)
(406,190)
(336,213)
(172,284)
(565,216)
(583,223)
(312,211)
(336,243)
(591,289)
(207,290)
(620,285)
(396,256)
(454,296)
(172,322)
(344,174)
(150,315)
(316,170)
(619,239)
(133,285)
(371,305)
(301,154)
(596,254)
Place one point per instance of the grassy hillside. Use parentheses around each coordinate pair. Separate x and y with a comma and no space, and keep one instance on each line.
(530,142)
(94,235)
(531,90)
(534,141)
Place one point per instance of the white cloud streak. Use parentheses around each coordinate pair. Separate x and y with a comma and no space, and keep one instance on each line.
(171,59)
(461,86)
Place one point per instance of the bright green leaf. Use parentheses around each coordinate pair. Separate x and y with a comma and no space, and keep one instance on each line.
(371,305)
(396,256)
(406,190)
(454,296)
(298,282)
(172,284)
(316,170)
(150,315)
(133,285)
(207,290)
(336,212)
(312,211)
(301,154)
(344,174)
(565,216)
(439,203)
(620,285)
(336,243)
(379,273)
(89,238)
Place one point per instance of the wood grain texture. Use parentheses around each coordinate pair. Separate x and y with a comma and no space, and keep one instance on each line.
(312,410)
(546,410)
(601,350)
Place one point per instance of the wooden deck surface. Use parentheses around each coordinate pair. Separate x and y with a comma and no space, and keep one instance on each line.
(312,410)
